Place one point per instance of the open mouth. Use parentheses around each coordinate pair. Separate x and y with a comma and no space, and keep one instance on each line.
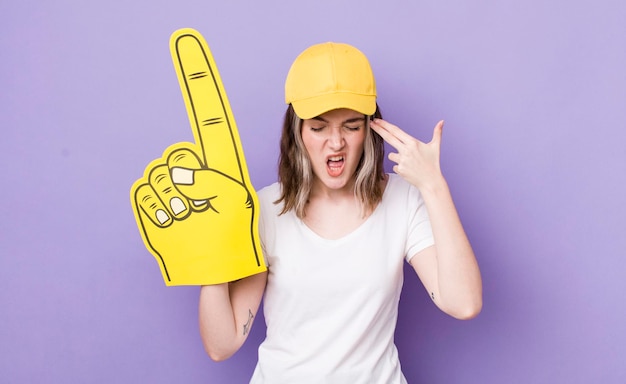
(334,165)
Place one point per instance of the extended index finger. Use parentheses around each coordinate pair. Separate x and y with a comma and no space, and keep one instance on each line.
(209,112)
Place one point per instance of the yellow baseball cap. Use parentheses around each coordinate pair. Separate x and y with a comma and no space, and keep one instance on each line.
(330,76)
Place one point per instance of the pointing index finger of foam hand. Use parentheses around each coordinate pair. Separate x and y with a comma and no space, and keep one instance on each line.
(209,112)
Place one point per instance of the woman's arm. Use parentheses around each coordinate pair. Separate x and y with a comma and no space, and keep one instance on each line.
(448,270)
(226,313)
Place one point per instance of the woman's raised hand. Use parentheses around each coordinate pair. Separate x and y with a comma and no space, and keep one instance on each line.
(416,161)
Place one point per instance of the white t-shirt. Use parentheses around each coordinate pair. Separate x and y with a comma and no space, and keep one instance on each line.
(331,305)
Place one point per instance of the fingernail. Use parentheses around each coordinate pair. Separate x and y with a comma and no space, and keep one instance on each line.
(182,176)
(161,216)
(177,205)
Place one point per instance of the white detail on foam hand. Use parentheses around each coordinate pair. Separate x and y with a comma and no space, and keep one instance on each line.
(182,176)
(161,216)
(177,205)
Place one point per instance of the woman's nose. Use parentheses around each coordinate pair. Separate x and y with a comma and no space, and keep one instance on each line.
(336,138)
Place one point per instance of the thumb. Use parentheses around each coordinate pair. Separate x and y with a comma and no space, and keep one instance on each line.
(184,181)
(200,185)
(437,133)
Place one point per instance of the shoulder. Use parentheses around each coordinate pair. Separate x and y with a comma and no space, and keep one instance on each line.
(269,193)
(269,217)
(399,191)
(267,196)
(397,185)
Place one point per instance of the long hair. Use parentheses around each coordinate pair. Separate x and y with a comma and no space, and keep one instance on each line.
(295,173)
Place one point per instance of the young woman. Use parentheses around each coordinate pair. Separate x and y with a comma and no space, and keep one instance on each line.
(336,231)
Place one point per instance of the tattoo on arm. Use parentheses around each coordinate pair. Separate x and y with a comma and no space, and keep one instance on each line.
(432,295)
(246,326)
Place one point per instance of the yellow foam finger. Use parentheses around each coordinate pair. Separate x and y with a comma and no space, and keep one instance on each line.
(195,207)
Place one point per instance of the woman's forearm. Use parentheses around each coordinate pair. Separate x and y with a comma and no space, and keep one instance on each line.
(226,313)
(458,276)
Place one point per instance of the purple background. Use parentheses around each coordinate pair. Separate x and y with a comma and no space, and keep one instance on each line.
(534,98)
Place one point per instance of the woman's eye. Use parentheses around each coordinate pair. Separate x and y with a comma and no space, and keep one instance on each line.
(316,129)
(353,128)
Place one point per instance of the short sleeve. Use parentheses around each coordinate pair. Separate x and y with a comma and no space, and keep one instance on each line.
(267,222)
(420,233)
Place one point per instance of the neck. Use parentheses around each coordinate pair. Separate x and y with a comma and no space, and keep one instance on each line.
(321,191)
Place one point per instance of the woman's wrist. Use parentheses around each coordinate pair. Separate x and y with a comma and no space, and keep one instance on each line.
(434,187)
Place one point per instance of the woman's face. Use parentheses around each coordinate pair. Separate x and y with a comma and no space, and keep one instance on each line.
(334,143)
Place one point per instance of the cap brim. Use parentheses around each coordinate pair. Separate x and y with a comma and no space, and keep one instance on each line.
(315,106)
